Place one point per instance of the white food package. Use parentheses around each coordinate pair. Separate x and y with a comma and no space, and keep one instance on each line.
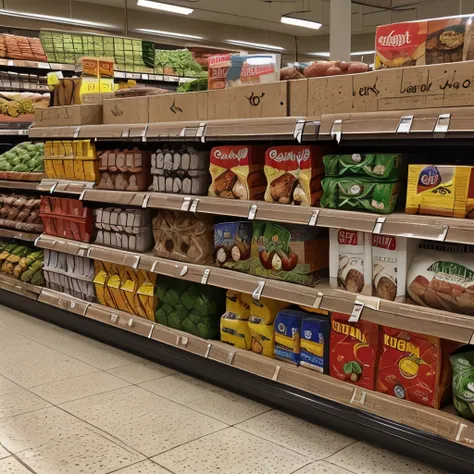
(350,264)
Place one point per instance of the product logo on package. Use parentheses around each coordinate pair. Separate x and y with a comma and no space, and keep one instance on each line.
(401,345)
(395,39)
(349,330)
(347,237)
(232,155)
(299,157)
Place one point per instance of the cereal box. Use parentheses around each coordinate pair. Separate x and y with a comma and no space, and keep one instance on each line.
(237,172)
(414,367)
(440,190)
(315,343)
(391,258)
(294,175)
(288,335)
(354,351)
(350,261)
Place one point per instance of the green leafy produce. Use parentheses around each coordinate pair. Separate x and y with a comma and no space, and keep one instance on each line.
(462,362)
(194,86)
(25,157)
(23,262)
(189,307)
(181,61)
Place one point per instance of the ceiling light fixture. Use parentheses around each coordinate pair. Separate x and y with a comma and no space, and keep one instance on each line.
(289,20)
(255,45)
(362,53)
(165,7)
(168,33)
(57,19)
(322,55)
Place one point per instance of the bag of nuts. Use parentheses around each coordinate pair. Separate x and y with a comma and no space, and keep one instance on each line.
(294,174)
(237,172)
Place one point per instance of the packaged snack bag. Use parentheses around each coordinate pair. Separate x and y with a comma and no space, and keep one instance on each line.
(294,174)
(350,261)
(414,367)
(354,351)
(235,331)
(266,309)
(232,243)
(377,166)
(263,336)
(391,258)
(237,172)
(462,363)
(315,343)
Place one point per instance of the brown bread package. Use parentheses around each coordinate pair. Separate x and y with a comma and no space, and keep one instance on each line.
(124,170)
(184,236)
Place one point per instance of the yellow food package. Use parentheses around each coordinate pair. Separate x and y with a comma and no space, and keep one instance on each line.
(236,303)
(266,309)
(91,169)
(69,168)
(67,148)
(445,190)
(235,331)
(48,148)
(78,169)
(100,281)
(58,165)
(128,289)
(57,149)
(263,337)
(113,294)
(49,168)
(147,298)
(88,149)
(315,310)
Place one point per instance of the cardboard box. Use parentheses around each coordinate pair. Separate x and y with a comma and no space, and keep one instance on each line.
(68,115)
(130,110)
(298,98)
(97,98)
(253,101)
(182,107)
(418,87)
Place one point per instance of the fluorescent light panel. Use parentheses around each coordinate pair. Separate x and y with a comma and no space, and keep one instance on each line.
(255,45)
(55,19)
(314,25)
(168,33)
(166,7)
(323,54)
(362,53)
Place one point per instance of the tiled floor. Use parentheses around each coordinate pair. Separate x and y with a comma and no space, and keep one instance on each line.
(72,405)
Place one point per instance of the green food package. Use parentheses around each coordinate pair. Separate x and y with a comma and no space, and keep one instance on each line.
(359,193)
(189,307)
(378,166)
(462,363)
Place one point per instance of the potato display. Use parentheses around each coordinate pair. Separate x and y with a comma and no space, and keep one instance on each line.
(20,212)
(23,262)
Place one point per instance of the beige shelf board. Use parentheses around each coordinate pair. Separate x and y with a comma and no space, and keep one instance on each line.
(444,324)
(18,234)
(26,185)
(19,287)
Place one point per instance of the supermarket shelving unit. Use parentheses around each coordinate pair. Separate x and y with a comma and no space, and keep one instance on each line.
(438,437)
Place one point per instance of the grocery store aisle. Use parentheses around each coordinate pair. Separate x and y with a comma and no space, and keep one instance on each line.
(72,405)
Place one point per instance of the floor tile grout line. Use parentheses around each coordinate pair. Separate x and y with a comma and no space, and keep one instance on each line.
(254,416)
(342,449)
(339,467)
(12,454)
(64,353)
(281,446)
(62,380)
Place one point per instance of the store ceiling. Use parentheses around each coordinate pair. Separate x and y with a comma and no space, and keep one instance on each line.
(265,14)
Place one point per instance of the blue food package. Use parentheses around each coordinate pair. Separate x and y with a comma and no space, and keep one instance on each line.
(288,335)
(315,343)
(232,242)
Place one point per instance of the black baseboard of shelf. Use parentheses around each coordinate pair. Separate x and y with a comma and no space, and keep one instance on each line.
(357,424)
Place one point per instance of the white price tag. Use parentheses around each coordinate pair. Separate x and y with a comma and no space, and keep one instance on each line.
(183,271)
(276,374)
(378,225)
(76,132)
(358,395)
(131,322)
(137,262)
(114,318)
(23,131)
(205,276)
(194,205)
(299,130)
(208,351)
(81,196)
(53,187)
(252,212)
(318,300)
(444,233)
(336,130)
(145,201)
(185,204)
(256,295)
(314,218)
(356,312)
(442,124)
(405,124)
(230,358)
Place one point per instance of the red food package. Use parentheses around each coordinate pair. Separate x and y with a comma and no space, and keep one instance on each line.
(354,351)
(414,366)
